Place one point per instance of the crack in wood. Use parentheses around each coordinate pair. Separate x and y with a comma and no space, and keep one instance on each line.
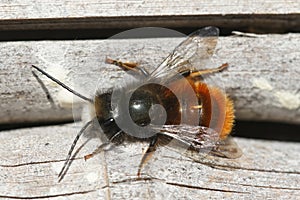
(139,179)
(222,167)
(204,188)
(250,169)
(46,196)
(37,163)
(106,176)
(269,187)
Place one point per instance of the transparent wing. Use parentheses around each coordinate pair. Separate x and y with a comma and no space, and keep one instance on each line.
(197,138)
(193,53)
(228,149)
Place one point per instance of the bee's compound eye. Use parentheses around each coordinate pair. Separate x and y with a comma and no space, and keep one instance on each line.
(108,122)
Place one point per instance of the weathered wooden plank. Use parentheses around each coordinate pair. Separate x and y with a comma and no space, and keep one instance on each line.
(262,78)
(32,158)
(30,15)
(76,8)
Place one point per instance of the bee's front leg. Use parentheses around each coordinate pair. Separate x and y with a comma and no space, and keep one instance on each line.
(148,154)
(114,140)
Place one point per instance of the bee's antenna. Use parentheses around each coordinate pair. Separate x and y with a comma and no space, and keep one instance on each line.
(63,85)
(62,172)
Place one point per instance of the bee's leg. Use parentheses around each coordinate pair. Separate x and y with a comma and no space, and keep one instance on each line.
(209,71)
(148,154)
(128,66)
(97,151)
(103,146)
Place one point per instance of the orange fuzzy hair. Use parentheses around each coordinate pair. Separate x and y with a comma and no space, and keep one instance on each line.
(218,110)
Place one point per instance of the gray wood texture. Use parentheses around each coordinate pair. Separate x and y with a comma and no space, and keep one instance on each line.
(263,80)
(32,158)
(263,77)
(31,15)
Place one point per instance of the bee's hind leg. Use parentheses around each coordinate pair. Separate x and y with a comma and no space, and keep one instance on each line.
(209,71)
(132,66)
(148,154)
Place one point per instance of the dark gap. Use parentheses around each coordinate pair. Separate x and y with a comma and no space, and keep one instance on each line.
(267,130)
(74,34)
(77,34)
(91,34)
(104,27)
(7,127)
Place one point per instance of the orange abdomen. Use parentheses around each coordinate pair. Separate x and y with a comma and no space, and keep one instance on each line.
(214,108)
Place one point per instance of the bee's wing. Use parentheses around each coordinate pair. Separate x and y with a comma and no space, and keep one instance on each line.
(228,149)
(193,53)
(197,138)
(182,138)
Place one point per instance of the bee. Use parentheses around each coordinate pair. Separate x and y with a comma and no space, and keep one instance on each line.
(172,103)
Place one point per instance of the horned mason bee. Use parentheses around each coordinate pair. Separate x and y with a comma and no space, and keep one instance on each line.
(195,114)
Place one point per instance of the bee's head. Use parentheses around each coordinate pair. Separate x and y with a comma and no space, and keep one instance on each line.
(105,115)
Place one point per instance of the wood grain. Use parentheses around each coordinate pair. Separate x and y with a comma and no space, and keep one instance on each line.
(32,158)
(76,14)
(263,77)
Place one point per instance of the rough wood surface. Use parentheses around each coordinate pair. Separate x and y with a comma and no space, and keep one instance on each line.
(19,15)
(32,158)
(263,77)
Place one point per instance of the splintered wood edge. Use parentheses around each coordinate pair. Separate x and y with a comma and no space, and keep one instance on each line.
(262,77)
(33,157)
